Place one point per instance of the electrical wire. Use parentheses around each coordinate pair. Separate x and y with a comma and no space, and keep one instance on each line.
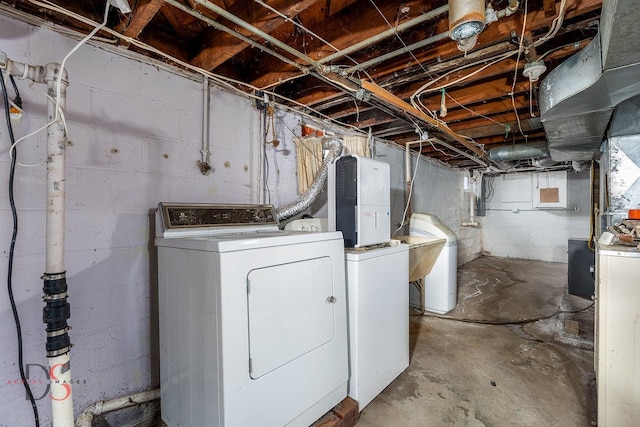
(515,75)
(553,30)
(58,110)
(592,231)
(415,172)
(509,322)
(62,119)
(424,89)
(474,112)
(306,30)
(398,37)
(14,236)
(531,112)
(556,24)
(223,81)
(265,159)
(490,191)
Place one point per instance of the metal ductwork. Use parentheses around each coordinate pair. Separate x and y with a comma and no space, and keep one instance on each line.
(506,156)
(335,149)
(578,98)
(507,153)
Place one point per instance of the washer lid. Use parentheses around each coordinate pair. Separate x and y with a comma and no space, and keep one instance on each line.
(244,241)
(361,254)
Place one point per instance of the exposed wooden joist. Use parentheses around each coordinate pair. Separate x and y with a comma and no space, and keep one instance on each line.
(393,100)
(223,46)
(341,33)
(143,14)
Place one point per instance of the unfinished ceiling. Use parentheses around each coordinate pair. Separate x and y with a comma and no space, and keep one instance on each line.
(385,68)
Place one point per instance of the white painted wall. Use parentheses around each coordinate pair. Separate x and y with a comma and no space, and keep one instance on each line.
(437,189)
(135,135)
(530,233)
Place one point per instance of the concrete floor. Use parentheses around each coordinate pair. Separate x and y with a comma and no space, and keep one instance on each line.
(489,363)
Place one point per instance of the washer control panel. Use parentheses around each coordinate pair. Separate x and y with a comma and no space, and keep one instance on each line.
(181,216)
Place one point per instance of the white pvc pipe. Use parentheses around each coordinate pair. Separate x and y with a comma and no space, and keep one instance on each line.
(407,162)
(472,202)
(56,149)
(86,417)
(61,391)
(59,366)
(472,207)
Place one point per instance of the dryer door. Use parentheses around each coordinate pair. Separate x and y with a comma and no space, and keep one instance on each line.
(291,312)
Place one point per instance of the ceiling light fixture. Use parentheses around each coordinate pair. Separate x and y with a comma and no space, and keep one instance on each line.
(533,70)
(466,21)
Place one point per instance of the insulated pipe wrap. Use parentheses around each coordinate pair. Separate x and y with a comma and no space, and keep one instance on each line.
(287,211)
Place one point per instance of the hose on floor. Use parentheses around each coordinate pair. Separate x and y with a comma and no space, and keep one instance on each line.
(508,322)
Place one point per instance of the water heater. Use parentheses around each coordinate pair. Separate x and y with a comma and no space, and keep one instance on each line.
(359,201)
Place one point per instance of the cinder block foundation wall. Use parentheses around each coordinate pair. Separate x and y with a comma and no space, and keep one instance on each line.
(437,189)
(517,229)
(135,137)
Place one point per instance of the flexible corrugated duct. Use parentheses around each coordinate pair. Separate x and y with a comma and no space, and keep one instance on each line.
(335,149)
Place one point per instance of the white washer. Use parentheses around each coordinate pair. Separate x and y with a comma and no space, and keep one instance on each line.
(252,325)
(378,314)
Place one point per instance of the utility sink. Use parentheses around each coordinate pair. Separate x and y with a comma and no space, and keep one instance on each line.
(423,253)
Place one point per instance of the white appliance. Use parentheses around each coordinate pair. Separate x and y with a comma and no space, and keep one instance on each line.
(378,314)
(617,351)
(441,284)
(359,200)
(253,326)
(308,224)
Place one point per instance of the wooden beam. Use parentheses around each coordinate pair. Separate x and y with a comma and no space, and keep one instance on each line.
(335,6)
(495,89)
(176,19)
(342,31)
(223,46)
(387,97)
(549,7)
(144,12)
(492,34)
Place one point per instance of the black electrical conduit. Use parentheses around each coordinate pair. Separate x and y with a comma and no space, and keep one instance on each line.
(14,213)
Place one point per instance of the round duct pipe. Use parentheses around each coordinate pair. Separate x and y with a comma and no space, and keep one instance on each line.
(544,162)
(579,166)
(534,150)
(466,18)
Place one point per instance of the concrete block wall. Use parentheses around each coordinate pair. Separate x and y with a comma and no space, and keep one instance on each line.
(135,137)
(437,189)
(530,233)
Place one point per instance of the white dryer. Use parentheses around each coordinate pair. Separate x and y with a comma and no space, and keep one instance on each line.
(252,324)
